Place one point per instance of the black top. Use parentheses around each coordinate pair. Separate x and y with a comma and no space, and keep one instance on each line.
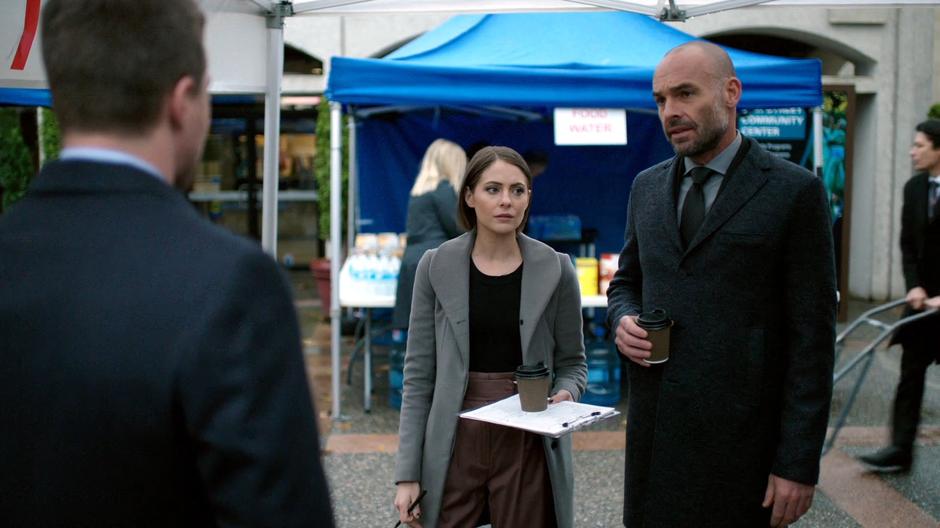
(495,343)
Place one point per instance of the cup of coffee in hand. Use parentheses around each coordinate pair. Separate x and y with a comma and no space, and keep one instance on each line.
(657,325)
(533,382)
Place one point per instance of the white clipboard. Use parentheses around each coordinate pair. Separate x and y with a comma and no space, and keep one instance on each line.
(558,420)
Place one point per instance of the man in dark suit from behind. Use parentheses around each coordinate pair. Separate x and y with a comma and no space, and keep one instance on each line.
(151,373)
(920,256)
(735,245)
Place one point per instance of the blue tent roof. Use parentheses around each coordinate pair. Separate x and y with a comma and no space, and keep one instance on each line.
(595,59)
(25,97)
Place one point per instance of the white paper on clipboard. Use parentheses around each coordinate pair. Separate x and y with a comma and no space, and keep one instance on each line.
(559,419)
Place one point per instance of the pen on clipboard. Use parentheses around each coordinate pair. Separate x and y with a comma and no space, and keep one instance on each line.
(579,418)
(414,504)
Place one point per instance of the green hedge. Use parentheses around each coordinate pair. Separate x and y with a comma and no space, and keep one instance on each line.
(49,135)
(16,166)
(934,112)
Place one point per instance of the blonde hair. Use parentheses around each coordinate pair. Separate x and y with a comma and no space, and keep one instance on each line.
(443,161)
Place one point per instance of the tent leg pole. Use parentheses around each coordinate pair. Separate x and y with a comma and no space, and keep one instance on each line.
(351,206)
(817,141)
(336,190)
(272,132)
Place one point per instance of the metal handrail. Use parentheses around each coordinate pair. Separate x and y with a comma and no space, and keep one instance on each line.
(866,355)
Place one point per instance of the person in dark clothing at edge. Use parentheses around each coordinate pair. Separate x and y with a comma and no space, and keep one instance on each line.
(152,366)
(920,256)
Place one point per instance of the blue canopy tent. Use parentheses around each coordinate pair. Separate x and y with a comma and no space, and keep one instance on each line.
(25,97)
(603,59)
(496,78)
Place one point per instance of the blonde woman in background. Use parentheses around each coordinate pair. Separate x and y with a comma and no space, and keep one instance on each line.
(432,216)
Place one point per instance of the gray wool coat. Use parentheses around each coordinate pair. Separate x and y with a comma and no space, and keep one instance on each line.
(746,390)
(437,359)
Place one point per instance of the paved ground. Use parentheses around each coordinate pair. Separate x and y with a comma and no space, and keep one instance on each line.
(359,447)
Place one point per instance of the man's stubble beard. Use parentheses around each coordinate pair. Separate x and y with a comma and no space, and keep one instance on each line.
(710,130)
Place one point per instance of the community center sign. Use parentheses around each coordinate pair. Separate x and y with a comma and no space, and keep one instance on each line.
(774,124)
(590,126)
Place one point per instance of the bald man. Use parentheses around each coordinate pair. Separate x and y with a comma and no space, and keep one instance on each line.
(735,245)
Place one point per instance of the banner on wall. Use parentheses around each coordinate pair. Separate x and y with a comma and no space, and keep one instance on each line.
(835,127)
(785,132)
(788,133)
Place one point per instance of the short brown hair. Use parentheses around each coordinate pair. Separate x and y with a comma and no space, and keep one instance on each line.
(475,167)
(111,63)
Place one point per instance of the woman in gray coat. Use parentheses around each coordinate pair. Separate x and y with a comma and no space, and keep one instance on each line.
(483,304)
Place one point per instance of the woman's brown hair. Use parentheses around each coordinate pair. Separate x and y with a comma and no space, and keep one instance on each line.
(475,167)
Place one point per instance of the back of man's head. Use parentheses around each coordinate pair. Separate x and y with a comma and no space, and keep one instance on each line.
(112,63)
(931,129)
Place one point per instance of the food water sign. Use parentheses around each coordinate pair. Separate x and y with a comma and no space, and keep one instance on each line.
(590,126)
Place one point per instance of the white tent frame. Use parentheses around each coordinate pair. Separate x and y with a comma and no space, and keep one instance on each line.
(275,11)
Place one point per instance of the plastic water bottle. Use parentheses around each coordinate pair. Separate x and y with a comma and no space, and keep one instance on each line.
(386,276)
(371,274)
(603,363)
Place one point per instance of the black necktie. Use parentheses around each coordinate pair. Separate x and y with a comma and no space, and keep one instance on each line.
(693,209)
(933,209)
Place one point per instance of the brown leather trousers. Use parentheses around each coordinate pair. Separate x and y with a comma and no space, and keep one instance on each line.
(496,473)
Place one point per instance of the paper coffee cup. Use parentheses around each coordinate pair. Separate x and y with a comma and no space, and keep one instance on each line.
(657,325)
(533,384)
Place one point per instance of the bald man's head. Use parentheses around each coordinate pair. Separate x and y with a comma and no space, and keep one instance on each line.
(697,92)
(715,59)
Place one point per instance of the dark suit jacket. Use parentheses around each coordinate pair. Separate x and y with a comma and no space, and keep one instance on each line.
(920,255)
(746,390)
(151,365)
(432,220)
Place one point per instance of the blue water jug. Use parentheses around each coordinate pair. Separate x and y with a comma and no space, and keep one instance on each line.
(603,363)
(396,365)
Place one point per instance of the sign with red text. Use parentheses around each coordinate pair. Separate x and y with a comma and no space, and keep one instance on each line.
(236,40)
(19,44)
(590,126)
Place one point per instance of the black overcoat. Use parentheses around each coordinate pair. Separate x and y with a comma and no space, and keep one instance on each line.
(920,258)
(151,373)
(746,390)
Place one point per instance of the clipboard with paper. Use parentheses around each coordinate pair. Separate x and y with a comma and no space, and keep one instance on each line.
(556,421)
